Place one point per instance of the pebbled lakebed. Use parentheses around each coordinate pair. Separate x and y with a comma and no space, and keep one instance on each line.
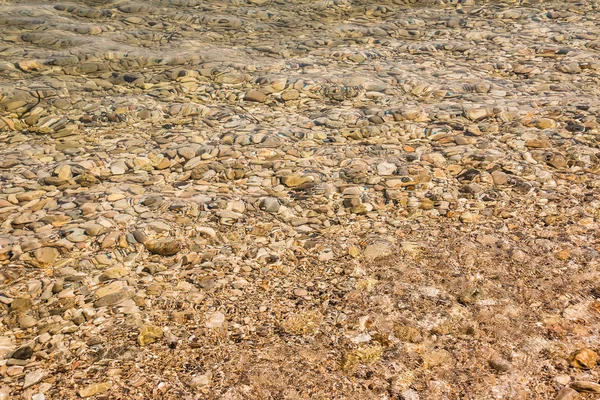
(268,199)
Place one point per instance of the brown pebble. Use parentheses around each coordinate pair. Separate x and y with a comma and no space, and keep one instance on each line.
(567,393)
(586,387)
(583,359)
(256,96)
(163,247)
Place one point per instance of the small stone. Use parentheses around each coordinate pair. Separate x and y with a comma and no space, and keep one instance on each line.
(15,370)
(94,389)
(567,393)
(468,217)
(93,230)
(409,394)
(256,96)
(477,113)
(562,379)
(215,320)
(113,273)
(33,378)
(586,387)
(115,197)
(140,236)
(23,353)
(187,152)
(295,180)
(300,292)
(385,169)
(583,359)
(21,305)
(562,255)
(290,94)
(353,251)
(159,227)
(499,365)
(326,255)
(545,123)
(77,236)
(500,178)
(46,256)
(6,345)
(377,250)
(111,288)
(427,204)
(201,381)
(149,334)
(27,321)
(207,231)
(111,299)
(163,247)
(64,172)
(270,204)
(29,65)
(118,168)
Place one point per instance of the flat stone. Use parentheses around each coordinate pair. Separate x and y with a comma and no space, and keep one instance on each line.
(270,204)
(94,230)
(33,378)
(583,359)
(27,321)
(256,96)
(567,393)
(500,178)
(295,180)
(94,389)
(111,288)
(118,168)
(149,334)
(290,94)
(21,305)
(377,250)
(23,353)
(385,169)
(46,256)
(200,382)
(112,299)
(215,320)
(159,227)
(585,386)
(163,247)
(7,345)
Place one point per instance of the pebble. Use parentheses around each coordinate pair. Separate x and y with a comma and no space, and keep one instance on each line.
(256,96)
(270,204)
(583,359)
(500,365)
(163,247)
(200,382)
(33,378)
(7,345)
(567,393)
(377,250)
(149,334)
(94,389)
(300,292)
(586,387)
(46,256)
(385,169)
(23,353)
(215,320)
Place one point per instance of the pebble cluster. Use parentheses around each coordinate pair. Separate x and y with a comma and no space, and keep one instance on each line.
(299,199)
